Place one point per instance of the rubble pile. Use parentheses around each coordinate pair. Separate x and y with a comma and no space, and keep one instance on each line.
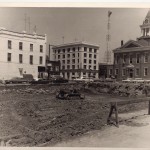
(121,89)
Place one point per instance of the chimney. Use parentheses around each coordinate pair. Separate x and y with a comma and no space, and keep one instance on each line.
(121,42)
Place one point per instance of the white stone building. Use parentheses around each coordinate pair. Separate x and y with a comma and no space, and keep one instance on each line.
(21,53)
(77,59)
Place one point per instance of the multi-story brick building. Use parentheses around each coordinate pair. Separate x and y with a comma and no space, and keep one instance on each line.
(77,59)
(21,53)
(132,59)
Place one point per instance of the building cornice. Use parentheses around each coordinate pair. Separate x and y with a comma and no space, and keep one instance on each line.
(75,44)
(22,35)
(144,48)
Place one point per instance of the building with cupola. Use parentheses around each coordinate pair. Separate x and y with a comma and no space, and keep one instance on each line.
(132,59)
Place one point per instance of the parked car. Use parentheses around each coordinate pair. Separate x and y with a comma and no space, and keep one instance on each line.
(40,81)
(84,79)
(15,80)
(58,79)
(27,78)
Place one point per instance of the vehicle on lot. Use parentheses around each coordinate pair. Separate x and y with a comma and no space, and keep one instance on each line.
(27,78)
(58,79)
(84,79)
(62,94)
(40,81)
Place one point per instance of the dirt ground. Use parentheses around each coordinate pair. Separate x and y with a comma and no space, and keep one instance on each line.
(133,132)
(31,115)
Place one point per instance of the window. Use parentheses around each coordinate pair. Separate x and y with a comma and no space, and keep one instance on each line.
(116,71)
(90,50)
(73,61)
(73,66)
(68,66)
(84,60)
(124,58)
(63,50)
(90,61)
(9,57)
(58,56)
(78,48)
(31,59)
(146,57)
(68,49)
(63,56)
(85,54)
(123,72)
(137,72)
(31,47)
(63,67)
(9,44)
(41,60)
(73,55)
(94,67)
(73,73)
(137,58)
(110,71)
(63,61)
(41,48)
(78,55)
(68,61)
(84,73)
(145,71)
(90,55)
(89,66)
(95,50)
(20,45)
(20,58)
(130,59)
(73,49)
(68,55)
(78,60)
(117,59)
(94,61)
(57,68)
(58,51)
(84,66)
(85,49)
(94,56)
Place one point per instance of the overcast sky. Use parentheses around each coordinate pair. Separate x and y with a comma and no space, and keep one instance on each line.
(88,24)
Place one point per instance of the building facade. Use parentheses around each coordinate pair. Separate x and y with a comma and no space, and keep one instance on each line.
(77,59)
(53,67)
(21,53)
(132,59)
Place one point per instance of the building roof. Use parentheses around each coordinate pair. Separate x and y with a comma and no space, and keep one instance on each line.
(21,34)
(75,44)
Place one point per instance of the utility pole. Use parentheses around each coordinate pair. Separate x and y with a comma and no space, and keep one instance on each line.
(25,19)
(108,53)
(29,24)
(63,39)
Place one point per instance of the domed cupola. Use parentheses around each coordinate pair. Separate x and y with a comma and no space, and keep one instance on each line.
(145,27)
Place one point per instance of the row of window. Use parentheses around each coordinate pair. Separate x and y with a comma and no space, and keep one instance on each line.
(20,58)
(74,49)
(90,61)
(85,67)
(68,56)
(21,46)
(124,71)
(90,50)
(138,58)
(67,50)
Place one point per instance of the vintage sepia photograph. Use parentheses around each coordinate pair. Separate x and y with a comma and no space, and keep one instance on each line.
(74,77)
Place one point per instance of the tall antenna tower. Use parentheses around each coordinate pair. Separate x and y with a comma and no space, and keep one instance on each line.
(108,38)
(25,20)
